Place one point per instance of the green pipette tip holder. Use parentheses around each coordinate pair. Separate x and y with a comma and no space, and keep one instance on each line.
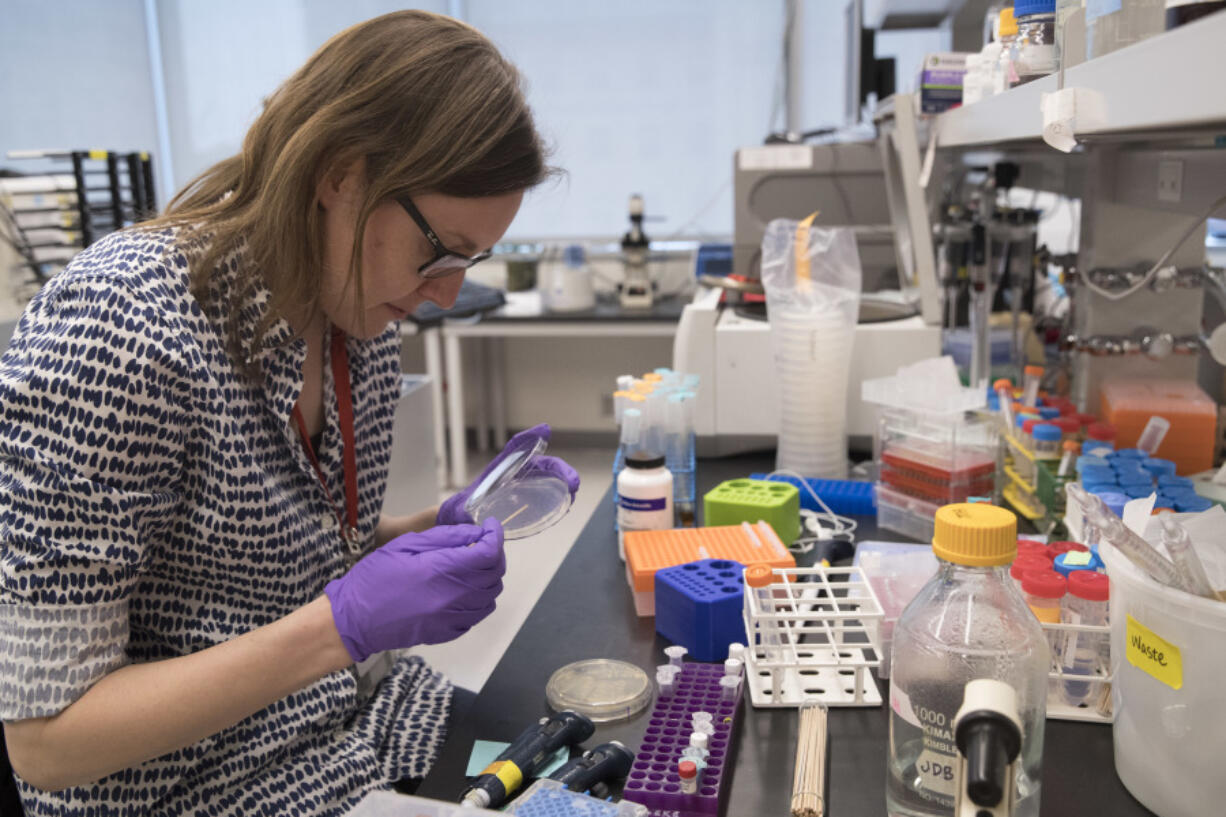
(749,500)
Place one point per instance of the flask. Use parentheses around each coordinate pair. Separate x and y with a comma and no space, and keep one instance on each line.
(644,496)
(969,621)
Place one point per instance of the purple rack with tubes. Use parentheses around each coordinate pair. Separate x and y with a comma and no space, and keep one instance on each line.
(653,780)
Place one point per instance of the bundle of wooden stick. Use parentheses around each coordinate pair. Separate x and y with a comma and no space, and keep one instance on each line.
(809,781)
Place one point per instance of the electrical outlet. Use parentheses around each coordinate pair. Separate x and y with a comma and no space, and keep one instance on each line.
(1170,181)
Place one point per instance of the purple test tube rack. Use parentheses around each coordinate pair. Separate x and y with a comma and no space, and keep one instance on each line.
(653,780)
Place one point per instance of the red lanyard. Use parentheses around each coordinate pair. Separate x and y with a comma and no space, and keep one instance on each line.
(344,406)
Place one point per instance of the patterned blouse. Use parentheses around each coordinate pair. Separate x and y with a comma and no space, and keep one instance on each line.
(155,502)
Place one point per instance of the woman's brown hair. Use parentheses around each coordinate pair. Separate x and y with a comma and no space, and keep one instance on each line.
(427,101)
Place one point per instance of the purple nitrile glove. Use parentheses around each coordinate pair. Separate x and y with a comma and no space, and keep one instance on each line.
(419,588)
(452,512)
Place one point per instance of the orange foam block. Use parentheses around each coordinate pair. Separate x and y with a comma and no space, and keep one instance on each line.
(1128,405)
(650,550)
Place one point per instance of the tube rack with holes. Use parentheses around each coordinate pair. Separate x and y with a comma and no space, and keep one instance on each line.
(814,633)
(1097,708)
(653,779)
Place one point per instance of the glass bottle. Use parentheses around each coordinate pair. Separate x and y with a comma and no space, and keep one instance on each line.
(1035,47)
(968,622)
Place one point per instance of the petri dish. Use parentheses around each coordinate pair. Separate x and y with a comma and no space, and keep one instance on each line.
(600,688)
(525,502)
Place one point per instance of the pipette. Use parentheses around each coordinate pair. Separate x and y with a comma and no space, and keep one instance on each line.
(1179,544)
(1112,531)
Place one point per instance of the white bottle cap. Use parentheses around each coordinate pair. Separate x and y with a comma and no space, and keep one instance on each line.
(732,668)
(698,740)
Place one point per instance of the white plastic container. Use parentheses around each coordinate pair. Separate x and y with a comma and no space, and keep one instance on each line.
(1170,721)
(644,496)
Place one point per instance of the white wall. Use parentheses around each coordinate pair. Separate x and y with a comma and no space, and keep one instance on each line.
(73,74)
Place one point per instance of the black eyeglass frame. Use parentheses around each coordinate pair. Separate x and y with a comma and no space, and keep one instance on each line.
(440,250)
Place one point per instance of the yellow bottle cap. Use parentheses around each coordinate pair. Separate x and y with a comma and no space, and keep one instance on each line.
(975,535)
(1008,23)
(653,377)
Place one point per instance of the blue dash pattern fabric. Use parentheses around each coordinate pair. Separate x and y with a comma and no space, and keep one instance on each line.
(155,501)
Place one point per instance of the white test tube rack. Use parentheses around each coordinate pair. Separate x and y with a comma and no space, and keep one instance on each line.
(815,635)
(1097,708)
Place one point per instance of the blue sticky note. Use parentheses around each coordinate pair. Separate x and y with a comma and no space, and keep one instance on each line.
(486,751)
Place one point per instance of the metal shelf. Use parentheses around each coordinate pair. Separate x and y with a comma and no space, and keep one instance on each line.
(1170,82)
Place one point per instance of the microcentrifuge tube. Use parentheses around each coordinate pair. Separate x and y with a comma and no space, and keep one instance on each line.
(676,654)
(732,667)
(736,650)
(702,716)
(728,687)
(699,740)
(667,684)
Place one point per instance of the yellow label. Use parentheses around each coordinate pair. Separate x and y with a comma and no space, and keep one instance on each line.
(97,154)
(1151,653)
(507,773)
(1047,615)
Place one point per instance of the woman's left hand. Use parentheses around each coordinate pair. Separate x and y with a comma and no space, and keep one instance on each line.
(452,512)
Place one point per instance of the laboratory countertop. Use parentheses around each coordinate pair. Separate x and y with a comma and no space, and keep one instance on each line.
(587,612)
(527,306)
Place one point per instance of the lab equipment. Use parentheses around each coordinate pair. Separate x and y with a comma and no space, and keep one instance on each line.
(1192,416)
(967,623)
(660,789)
(1032,377)
(644,496)
(698,606)
(661,420)
(1046,441)
(988,733)
(1169,654)
(567,286)
(525,757)
(600,689)
(932,446)
(650,551)
(637,290)
(814,633)
(522,488)
(1112,531)
(749,500)
(1084,654)
(1179,545)
(1153,434)
(841,496)
(812,279)
(596,768)
(1113,24)
(549,798)
(419,588)
(809,779)
(1035,47)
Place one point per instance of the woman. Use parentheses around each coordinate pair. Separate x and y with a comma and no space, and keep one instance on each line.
(195,426)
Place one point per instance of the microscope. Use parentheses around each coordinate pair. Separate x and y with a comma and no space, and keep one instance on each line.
(636,291)
(988,734)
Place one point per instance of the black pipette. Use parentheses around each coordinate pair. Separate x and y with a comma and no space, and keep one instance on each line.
(596,768)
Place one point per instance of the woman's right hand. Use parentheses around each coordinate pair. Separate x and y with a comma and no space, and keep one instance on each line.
(419,588)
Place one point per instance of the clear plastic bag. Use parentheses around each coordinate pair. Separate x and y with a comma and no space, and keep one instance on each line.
(812,280)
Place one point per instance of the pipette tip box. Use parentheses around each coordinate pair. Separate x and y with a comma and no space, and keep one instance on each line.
(653,779)
(550,798)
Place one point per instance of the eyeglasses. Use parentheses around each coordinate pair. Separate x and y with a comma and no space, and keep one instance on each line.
(445,262)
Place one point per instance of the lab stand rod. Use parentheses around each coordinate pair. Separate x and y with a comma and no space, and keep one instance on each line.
(140,207)
(151,199)
(496,360)
(455,409)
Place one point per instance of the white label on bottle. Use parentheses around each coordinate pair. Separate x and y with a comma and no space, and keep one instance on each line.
(776,157)
(936,770)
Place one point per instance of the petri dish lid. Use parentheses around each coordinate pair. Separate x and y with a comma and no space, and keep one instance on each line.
(525,503)
(600,688)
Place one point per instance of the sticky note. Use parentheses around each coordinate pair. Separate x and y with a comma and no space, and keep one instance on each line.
(485,751)
(1152,654)
(1078,558)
